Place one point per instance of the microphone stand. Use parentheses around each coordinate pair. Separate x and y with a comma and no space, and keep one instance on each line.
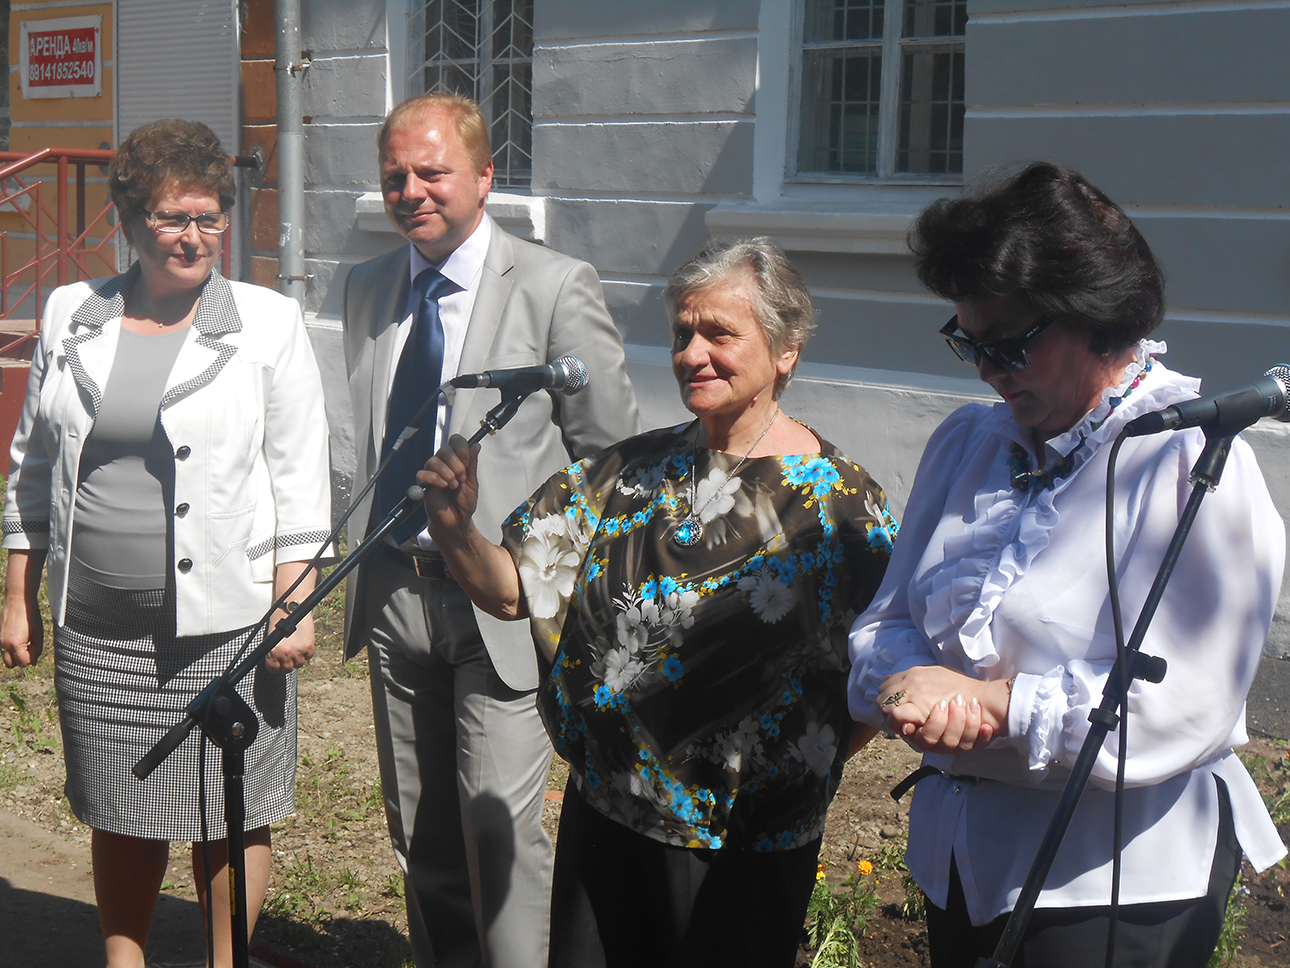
(1205,474)
(224,716)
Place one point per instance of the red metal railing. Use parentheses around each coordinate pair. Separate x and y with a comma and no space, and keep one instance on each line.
(59,255)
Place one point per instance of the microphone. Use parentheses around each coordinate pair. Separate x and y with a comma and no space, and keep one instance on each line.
(567,374)
(1223,414)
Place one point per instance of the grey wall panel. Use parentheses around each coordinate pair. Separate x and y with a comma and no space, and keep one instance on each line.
(568,19)
(330,226)
(341,87)
(691,157)
(626,235)
(1223,355)
(349,25)
(1236,55)
(1238,264)
(341,155)
(686,77)
(838,270)
(882,335)
(637,308)
(1153,159)
(979,7)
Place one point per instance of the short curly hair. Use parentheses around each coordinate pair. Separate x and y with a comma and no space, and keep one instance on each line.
(1047,235)
(170,152)
(781,302)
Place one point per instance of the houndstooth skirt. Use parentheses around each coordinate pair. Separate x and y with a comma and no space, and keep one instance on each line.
(123,680)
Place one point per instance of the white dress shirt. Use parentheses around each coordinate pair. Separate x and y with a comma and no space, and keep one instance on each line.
(464,268)
(998,582)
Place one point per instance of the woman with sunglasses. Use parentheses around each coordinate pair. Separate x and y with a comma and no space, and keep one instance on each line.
(171,468)
(991,638)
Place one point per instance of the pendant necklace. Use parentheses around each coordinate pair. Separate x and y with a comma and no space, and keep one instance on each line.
(690,531)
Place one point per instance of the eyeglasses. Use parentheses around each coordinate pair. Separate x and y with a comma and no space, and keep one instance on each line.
(1006,354)
(172,223)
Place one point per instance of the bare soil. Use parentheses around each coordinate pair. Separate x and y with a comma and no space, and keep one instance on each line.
(335,899)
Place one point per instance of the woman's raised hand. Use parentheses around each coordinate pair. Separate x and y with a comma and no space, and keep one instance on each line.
(452,486)
(939,710)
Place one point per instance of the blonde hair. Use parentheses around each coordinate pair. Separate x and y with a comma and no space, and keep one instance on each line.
(465,116)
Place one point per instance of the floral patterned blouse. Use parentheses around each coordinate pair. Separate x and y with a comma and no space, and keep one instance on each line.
(699,693)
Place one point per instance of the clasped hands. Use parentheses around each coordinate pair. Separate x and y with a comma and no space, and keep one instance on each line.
(939,710)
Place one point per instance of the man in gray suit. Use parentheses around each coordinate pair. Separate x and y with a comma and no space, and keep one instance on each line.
(463,754)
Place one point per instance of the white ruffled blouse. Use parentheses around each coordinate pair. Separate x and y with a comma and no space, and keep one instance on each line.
(999,581)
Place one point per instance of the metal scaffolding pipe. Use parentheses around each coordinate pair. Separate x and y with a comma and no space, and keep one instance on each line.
(289,70)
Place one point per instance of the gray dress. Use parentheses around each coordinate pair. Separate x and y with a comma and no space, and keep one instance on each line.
(122,676)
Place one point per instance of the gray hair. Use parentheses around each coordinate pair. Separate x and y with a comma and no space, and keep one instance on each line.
(780,300)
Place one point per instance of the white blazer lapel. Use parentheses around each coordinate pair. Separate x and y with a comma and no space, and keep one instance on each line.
(204,353)
(93,333)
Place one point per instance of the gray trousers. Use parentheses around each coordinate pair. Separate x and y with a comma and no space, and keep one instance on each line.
(464,761)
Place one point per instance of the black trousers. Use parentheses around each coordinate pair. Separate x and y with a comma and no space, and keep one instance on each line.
(622,900)
(1169,934)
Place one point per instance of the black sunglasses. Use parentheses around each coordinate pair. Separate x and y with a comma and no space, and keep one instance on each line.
(1006,354)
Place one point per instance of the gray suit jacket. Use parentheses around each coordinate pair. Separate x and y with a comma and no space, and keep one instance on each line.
(533,307)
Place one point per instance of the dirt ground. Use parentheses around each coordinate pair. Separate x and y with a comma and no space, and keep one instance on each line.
(335,897)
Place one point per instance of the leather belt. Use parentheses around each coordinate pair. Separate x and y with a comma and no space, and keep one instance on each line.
(429,565)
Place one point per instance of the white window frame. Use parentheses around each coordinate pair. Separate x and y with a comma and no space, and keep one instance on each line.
(888,108)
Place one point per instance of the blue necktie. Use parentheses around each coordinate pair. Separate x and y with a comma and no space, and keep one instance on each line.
(415,380)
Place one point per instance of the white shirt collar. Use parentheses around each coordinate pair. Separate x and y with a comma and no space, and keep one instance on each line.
(465,263)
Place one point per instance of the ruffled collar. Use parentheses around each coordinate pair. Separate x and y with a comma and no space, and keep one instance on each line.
(1146,385)
(1011,526)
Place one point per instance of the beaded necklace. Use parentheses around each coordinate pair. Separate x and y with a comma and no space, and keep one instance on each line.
(1022,478)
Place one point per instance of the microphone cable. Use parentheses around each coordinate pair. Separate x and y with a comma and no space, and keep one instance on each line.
(1122,667)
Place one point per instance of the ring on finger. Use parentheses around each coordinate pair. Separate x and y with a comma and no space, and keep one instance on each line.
(894,699)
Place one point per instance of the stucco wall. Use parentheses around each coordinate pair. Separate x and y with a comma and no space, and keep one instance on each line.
(657,126)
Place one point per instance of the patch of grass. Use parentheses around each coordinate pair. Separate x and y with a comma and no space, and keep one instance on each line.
(1272,781)
(394,886)
(1229,937)
(914,906)
(328,796)
(892,855)
(11,775)
(32,726)
(309,893)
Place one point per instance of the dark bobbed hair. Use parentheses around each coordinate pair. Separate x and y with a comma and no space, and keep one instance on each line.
(780,300)
(155,156)
(1048,236)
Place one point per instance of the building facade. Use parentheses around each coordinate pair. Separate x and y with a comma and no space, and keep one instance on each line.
(627,134)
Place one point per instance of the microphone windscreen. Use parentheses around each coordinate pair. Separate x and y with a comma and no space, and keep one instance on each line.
(575,374)
(1281,373)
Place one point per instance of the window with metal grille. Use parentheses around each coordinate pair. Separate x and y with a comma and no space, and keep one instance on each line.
(881,90)
(482,49)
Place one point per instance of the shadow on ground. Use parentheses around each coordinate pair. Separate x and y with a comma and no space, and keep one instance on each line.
(335,942)
(39,929)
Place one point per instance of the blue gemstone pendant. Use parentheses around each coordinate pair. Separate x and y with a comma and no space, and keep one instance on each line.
(688,533)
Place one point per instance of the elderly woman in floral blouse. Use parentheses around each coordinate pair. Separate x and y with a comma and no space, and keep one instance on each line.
(690,591)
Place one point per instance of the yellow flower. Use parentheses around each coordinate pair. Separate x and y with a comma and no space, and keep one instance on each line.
(819,872)
(865,868)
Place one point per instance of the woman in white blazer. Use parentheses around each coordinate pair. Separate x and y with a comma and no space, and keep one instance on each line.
(171,470)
